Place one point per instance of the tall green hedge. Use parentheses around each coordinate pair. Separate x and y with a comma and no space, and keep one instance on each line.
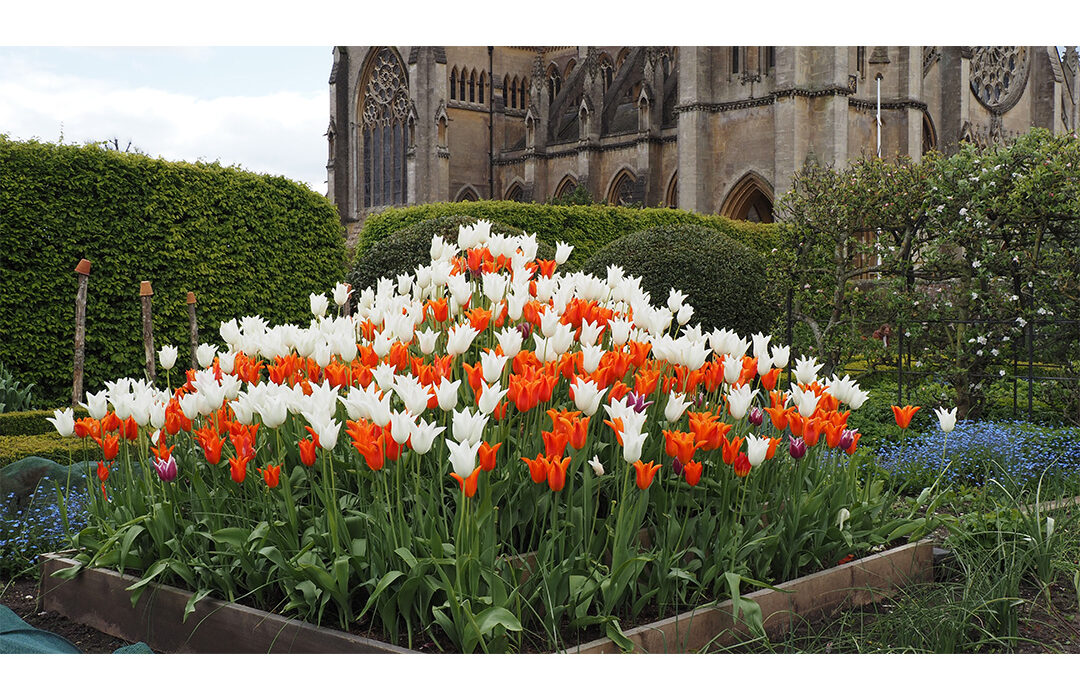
(587,227)
(244,243)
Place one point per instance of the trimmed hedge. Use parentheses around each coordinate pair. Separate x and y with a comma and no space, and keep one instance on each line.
(587,228)
(724,280)
(244,243)
(405,250)
(32,422)
(16,447)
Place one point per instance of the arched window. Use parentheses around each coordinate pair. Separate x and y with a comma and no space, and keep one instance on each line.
(750,199)
(514,94)
(507,91)
(929,138)
(672,198)
(623,53)
(453,84)
(523,90)
(467,194)
(770,59)
(734,59)
(384,110)
(623,190)
(461,85)
(569,68)
(472,86)
(554,82)
(607,71)
(482,81)
(566,186)
(515,193)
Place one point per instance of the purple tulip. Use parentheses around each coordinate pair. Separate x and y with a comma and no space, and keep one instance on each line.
(677,466)
(166,468)
(846,438)
(637,402)
(797,447)
(525,329)
(756,415)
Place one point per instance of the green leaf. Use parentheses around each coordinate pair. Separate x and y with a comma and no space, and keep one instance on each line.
(193,601)
(235,536)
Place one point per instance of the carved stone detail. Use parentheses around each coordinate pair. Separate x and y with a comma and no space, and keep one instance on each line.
(930,56)
(386,96)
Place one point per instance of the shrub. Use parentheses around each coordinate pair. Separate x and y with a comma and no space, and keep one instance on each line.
(724,281)
(50,445)
(587,228)
(265,241)
(403,251)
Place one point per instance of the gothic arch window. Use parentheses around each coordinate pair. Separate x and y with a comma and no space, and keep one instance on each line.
(623,53)
(750,199)
(515,193)
(384,110)
(514,94)
(453,84)
(467,194)
(770,59)
(461,85)
(472,86)
(607,70)
(507,91)
(623,191)
(566,186)
(569,68)
(735,59)
(523,90)
(483,80)
(860,61)
(671,199)
(929,136)
(554,82)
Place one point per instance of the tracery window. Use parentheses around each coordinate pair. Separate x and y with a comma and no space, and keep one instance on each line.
(384,114)
(453,84)
(480,93)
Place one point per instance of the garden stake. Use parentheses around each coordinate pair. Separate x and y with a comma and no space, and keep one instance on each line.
(193,327)
(83,272)
(146,293)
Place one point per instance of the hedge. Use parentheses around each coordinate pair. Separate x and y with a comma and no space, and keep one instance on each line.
(587,227)
(244,243)
(724,280)
(404,250)
(16,447)
(32,422)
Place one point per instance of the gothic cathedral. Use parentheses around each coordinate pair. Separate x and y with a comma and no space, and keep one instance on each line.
(710,129)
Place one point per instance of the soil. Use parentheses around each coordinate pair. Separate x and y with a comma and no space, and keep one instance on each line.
(21,595)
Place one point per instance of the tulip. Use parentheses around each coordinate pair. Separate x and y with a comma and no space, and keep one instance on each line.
(307,452)
(739,401)
(205,354)
(341,294)
(467,483)
(632,445)
(102,473)
(328,434)
(509,339)
(63,421)
(463,456)
(757,416)
(586,395)
(447,394)
(459,338)
(781,354)
(401,426)
(423,435)
(742,465)
(238,467)
(806,371)
(645,473)
(797,447)
(556,474)
(468,426)
(97,404)
(756,448)
(847,439)
(271,475)
(677,466)
(946,419)
(732,369)
(319,304)
(167,357)
(562,252)
(676,405)
(903,415)
(597,467)
(692,472)
(427,340)
(166,468)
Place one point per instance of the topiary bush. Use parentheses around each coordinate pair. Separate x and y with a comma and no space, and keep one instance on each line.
(724,281)
(403,251)
(244,243)
(587,228)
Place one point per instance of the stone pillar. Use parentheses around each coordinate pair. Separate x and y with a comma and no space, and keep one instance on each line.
(786,119)
(695,76)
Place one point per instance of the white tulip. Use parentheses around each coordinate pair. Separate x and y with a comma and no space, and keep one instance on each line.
(946,419)
(205,355)
(447,394)
(739,401)
(319,304)
(167,357)
(423,435)
(459,338)
(756,448)
(586,395)
(97,404)
(632,445)
(781,354)
(490,397)
(63,421)
(562,252)
(675,406)
(597,467)
(463,456)
(427,340)
(341,293)
(806,371)
(509,339)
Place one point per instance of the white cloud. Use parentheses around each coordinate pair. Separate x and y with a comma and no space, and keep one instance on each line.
(280,133)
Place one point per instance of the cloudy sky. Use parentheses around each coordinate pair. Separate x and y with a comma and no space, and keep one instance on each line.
(265,109)
(84,71)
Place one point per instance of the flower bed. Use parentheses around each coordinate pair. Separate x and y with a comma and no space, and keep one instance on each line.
(471,396)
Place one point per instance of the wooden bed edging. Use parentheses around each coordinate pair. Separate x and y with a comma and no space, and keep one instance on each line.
(849,585)
(97,598)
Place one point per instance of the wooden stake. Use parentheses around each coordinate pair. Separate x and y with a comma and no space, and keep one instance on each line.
(147,294)
(193,326)
(83,271)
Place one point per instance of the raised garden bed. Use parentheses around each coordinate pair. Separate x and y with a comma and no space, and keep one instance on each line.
(98,598)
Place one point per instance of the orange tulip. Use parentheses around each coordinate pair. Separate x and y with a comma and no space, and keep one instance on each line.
(468,484)
(538,468)
(692,472)
(556,473)
(271,475)
(579,432)
(741,465)
(774,442)
(130,429)
(903,415)
(779,416)
(832,433)
(238,468)
(617,426)
(681,445)
(307,452)
(554,444)
(769,379)
(479,319)
(731,448)
(110,446)
(88,427)
(645,381)
(102,472)
(487,455)
(645,473)
(811,432)
(162,451)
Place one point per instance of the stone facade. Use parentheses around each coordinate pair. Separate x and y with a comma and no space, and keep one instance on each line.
(709,129)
